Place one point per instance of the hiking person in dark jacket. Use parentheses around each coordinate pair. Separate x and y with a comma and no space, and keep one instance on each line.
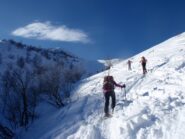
(129,62)
(108,89)
(143,63)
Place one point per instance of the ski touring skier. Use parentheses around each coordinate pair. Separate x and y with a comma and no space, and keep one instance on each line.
(129,62)
(108,89)
(143,63)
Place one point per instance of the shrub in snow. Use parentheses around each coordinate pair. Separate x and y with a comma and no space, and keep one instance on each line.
(18,106)
(37,60)
(21,62)
(53,84)
(71,76)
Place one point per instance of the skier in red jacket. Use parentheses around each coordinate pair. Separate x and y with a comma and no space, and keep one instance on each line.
(108,89)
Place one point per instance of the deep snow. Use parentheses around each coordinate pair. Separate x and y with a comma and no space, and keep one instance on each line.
(153,109)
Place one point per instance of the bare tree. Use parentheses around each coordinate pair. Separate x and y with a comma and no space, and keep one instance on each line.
(1,60)
(6,86)
(21,62)
(54,82)
(11,102)
(71,76)
(33,101)
(5,132)
(19,83)
(37,60)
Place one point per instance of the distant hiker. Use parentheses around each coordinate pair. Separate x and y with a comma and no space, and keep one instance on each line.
(129,64)
(108,88)
(143,63)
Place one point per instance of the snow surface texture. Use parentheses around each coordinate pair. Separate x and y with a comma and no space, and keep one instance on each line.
(153,109)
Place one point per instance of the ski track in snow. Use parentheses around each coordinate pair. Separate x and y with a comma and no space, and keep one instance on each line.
(153,109)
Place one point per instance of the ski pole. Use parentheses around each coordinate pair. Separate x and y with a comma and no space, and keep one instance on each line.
(125,93)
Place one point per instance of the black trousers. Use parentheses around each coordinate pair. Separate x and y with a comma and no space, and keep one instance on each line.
(109,95)
(144,68)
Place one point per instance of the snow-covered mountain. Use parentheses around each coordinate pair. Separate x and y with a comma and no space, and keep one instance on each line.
(153,108)
(108,62)
(29,75)
(11,50)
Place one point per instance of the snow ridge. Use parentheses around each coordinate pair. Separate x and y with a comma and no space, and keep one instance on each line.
(154,107)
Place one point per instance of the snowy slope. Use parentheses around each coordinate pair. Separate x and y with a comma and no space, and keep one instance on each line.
(154,108)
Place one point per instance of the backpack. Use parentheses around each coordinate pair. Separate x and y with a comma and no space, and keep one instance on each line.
(108,83)
(143,60)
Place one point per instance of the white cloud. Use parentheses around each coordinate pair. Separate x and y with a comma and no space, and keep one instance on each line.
(46,31)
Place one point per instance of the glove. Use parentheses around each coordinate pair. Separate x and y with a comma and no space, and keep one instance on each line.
(123,86)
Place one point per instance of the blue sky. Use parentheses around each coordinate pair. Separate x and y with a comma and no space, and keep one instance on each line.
(92,29)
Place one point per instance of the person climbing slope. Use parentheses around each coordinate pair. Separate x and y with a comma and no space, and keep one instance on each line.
(108,89)
(143,63)
(129,62)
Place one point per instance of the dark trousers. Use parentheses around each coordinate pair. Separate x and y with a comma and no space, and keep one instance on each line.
(144,68)
(107,98)
(129,67)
